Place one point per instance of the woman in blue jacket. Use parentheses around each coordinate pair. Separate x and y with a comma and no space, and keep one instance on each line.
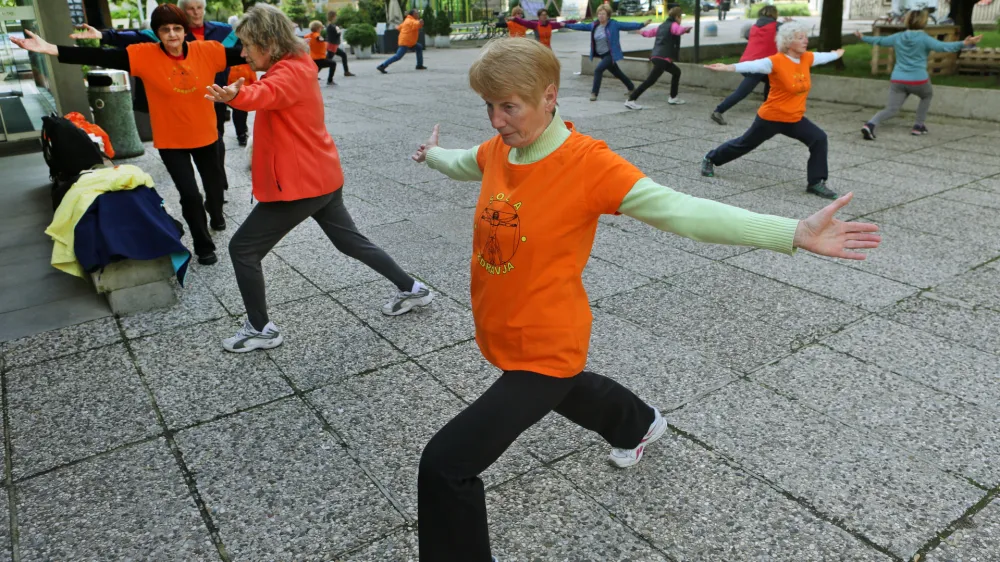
(605,44)
(909,74)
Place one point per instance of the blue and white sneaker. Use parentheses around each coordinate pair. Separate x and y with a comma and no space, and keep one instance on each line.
(249,339)
(624,458)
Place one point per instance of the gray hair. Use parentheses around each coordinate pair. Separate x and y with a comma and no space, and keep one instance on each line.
(787,33)
(269,29)
(183,4)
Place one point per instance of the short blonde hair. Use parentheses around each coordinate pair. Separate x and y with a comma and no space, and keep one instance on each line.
(501,59)
(675,12)
(315,25)
(916,19)
(268,28)
(605,8)
(788,32)
(517,10)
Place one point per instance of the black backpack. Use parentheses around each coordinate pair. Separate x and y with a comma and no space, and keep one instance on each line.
(68,151)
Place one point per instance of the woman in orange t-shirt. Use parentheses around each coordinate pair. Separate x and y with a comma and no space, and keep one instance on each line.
(515,29)
(543,27)
(783,112)
(317,50)
(175,73)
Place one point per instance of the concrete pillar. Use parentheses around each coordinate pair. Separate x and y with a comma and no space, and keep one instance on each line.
(67,86)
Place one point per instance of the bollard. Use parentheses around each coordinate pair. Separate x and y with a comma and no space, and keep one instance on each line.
(111,101)
(711,30)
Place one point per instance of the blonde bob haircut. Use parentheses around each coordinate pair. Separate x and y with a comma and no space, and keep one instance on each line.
(490,74)
(518,11)
(315,25)
(605,8)
(675,12)
(916,19)
(269,29)
(788,32)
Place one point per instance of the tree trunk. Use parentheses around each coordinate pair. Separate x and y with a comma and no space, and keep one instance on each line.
(831,28)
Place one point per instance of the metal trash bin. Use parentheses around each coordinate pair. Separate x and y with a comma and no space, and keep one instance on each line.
(110,98)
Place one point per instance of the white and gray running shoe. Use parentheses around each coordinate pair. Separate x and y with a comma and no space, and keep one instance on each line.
(404,301)
(249,339)
(624,458)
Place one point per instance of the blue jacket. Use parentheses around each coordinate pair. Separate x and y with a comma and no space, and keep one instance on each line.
(911,49)
(612,29)
(214,31)
(129,224)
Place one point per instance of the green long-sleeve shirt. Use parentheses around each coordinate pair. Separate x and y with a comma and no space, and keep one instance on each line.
(654,204)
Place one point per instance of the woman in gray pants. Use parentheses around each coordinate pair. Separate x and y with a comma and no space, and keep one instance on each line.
(296,173)
(909,74)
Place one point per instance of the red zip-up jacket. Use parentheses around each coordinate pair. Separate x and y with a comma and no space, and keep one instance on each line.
(293,154)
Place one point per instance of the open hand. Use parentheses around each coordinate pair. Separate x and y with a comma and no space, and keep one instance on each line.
(973,40)
(719,67)
(224,95)
(35,44)
(839,53)
(421,154)
(824,235)
(87,32)
(858,34)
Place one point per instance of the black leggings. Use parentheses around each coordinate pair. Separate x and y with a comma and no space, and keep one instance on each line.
(659,67)
(343,57)
(326,63)
(450,495)
(761,130)
(193,207)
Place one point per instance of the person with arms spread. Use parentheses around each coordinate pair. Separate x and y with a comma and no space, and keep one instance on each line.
(409,33)
(605,44)
(665,50)
(543,27)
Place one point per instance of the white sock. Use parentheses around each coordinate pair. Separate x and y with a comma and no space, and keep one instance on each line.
(417,285)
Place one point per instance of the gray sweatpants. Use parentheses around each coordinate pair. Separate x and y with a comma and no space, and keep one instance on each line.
(268,223)
(898,94)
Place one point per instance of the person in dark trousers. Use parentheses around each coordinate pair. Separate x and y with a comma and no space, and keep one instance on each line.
(175,72)
(760,44)
(665,51)
(409,35)
(291,144)
(723,9)
(199,29)
(960,13)
(317,50)
(784,111)
(333,43)
(605,44)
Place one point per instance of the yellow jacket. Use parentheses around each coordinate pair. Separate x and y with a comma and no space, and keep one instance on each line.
(409,31)
(76,202)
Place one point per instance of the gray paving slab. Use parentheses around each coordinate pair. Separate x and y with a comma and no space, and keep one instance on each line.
(944,430)
(870,486)
(635,253)
(921,356)
(57,343)
(195,304)
(602,279)
(979,286)
(535,517)
(944,217)
(279,487)
(311,357)
(711,510)
(132,504)
(281,284)
(975,327)
(194,379)
(977,540)
(973,195)
(75,406)
(324,266)
(388,417)
(400,546)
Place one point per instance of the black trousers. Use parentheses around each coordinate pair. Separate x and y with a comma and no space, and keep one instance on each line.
(803,130)
(608,63)
(220,146)
(193,207)
(659,67)
(240,122)
(268,223)
(451,499)
(326,63)
(343,57)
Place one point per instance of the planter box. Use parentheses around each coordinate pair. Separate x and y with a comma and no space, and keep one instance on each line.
(363,52)
(949,101)
(442,41)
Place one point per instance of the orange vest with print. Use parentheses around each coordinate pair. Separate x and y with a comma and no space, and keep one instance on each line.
(317,47)
(545,35)
(533,230)
(790,85)
(515,29)
(179,114)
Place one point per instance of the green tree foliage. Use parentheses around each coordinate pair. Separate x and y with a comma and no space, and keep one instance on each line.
(296,11)
(428,17)
(361,35)
(372,12)
(442,24)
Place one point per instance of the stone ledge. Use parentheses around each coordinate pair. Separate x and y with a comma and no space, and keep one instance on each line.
(133,286)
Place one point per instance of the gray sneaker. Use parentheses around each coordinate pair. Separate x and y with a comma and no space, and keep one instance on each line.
(718,118)
(404,301)
(820,188)
(249,339)
(707,168)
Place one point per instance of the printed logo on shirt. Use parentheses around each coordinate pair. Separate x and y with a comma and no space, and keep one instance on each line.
(183,79)
(800,82)
(498,235)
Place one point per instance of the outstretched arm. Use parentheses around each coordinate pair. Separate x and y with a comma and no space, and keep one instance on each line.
(526,23)
(950,46)
(108,58)
(882,41)
(710,221)
(759,66)
(632,26)
(560,24)
(823,58)
(580,26)
(457,164)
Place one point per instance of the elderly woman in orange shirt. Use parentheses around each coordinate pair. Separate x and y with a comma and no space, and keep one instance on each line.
(543,27)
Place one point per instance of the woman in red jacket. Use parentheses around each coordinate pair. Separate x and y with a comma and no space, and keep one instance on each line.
(296,173)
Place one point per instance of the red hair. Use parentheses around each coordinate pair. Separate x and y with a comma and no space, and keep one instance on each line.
(166,14)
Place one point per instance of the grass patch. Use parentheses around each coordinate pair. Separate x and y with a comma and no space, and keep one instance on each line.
(857,62)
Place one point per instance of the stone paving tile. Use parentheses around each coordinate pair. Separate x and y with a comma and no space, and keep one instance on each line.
(978,541)
(542,517)
(936,215)
(944,430)
(973,327)
(57,343)
(75,406)
(936,176)
(442,323)
(464,194)
(868,198)
(324,266)
(397,547)
(280,488)
(973,196)
(980,144)
(966,162)
(5,553)
(872,487)
(195,304)
(827,278)
(194,379)
(709,509)
(388,417)
(602,279)
(763,201)
(979,287)
(946,365)
(634,253)
(454,225)
(131,504)
(324,343)
(281,284)
(708,188)
(987,184)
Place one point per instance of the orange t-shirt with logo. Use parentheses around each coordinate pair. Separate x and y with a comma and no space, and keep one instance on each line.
(179,114)
(533,230)
(545,35)
(790,83)
(515,29)
(242,71)
(317,46)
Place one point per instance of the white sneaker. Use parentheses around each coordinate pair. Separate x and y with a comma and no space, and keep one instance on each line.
(404,301)
(249,339)
(676,101)
(624,458)
(632,105)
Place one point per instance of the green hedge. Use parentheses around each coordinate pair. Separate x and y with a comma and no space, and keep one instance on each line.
(361,35)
